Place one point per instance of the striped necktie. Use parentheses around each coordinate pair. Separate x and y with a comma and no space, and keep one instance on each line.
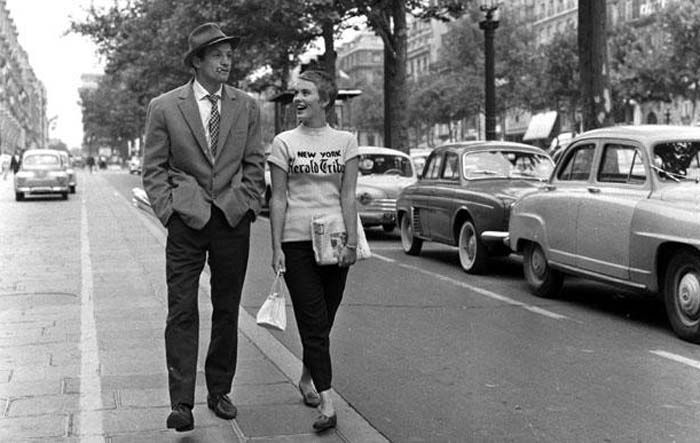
(214,120)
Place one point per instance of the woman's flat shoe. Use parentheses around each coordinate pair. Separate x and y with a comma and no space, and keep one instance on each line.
(311,398)
(324,422)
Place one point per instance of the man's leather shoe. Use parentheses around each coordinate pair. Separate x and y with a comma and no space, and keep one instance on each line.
(181,419)
(222,406)
(324,422)
(311,398)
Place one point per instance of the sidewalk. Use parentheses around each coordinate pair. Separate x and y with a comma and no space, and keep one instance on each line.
(82,314)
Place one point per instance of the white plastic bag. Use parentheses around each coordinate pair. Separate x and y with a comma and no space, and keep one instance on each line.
(273,313)
(329,236)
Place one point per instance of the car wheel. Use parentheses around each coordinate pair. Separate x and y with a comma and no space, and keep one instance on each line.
(64,196)
(543,280)
(472,251)
(72,189)
(19,196)
(388,228)
(682,295)
(411,245)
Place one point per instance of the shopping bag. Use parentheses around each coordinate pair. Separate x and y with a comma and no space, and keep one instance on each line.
(273,313)
(328,237)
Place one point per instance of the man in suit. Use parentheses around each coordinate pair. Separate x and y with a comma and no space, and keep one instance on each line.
(203,172)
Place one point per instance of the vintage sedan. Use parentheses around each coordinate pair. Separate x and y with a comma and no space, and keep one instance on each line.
(622,207)
(383,173)
(68,165)
(42,172)
(465,195)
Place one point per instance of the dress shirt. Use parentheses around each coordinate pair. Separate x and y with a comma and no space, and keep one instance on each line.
(204,105)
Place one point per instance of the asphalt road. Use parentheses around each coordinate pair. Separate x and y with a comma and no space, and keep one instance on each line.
(426,352)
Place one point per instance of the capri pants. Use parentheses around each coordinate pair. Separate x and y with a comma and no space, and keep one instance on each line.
(316,292)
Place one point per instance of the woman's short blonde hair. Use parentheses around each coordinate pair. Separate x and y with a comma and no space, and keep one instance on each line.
(327,90)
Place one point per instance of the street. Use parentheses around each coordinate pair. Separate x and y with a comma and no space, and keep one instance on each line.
(421,351)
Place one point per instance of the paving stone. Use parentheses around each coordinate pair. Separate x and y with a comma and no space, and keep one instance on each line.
(269,421)
(53,404)
(32,373)
(120,421)
(198,435)
(120,382)
(21,389)
(261,373)
(45,426)
(303,438)
(266,394)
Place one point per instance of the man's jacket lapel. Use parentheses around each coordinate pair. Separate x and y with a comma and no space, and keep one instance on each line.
(190,111)
(229,113)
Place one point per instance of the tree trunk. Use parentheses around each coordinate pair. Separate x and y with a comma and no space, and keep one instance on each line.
(329,57)
(395,88)
(593,64)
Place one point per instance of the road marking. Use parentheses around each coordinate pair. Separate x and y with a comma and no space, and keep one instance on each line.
(90,387)
(478,290)
(677,358)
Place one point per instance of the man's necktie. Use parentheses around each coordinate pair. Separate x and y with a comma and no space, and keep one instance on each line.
(214,120)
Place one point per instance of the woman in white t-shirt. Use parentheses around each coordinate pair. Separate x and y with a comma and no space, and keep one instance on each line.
(313,171)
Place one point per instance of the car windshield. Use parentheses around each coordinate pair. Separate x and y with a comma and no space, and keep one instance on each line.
(507,164)
(39,160)
(677,161)
(385,164)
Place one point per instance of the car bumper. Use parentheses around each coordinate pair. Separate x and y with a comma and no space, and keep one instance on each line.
(495,237)
(379,212)
(57,189)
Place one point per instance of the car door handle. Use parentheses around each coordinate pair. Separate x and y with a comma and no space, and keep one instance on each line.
(593,190)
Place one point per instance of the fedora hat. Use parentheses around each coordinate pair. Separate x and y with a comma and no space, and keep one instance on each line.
(206,35)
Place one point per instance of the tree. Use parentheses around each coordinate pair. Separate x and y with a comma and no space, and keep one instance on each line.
(593,64)
(558,87)
(388,19)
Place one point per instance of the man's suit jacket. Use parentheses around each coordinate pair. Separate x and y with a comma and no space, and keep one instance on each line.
(178,173)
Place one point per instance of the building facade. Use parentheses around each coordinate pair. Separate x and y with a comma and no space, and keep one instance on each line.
(361,59)
(23,122)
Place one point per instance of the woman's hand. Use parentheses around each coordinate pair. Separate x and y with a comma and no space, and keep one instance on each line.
(347,257)
(278,261)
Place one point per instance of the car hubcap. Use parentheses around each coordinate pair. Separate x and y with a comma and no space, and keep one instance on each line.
(538,263)
(468,249)
(689,296)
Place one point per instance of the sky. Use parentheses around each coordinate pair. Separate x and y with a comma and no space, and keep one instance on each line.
(58,60)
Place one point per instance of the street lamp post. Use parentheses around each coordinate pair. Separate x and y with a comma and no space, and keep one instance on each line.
(489,25)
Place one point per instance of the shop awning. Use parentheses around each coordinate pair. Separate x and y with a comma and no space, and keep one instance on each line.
(540,126)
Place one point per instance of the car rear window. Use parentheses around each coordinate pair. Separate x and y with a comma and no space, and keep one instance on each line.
(41,160)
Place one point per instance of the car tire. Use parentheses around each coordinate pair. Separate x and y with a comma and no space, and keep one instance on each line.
(682,295)
(543,280)
(411,245)
(64,195)
(19,196)
(473,255)
(72,189)
(388,228)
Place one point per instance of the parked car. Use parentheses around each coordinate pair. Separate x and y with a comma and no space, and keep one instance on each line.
(383,173)
(465,195)
(42,172)
(68,165)
(622,207)
(419,156)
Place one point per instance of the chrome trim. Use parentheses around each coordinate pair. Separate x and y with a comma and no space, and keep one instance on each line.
(596,276)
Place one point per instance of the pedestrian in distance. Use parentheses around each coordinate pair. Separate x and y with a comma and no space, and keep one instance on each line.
(16,161)
(203,171)
(90,163)
(313,171)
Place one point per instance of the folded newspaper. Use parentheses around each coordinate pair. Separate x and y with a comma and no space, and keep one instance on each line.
(329,237)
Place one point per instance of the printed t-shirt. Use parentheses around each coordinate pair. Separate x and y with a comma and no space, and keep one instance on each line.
(314,159)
